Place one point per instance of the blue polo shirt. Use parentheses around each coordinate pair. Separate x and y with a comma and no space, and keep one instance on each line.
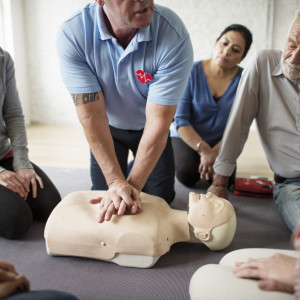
(198,108)
(91,60)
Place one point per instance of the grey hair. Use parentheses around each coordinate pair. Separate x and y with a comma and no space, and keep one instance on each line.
(297,15)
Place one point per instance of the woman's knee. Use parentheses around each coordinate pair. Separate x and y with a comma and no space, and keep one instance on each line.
(15,227)
(15,220)
(42,206)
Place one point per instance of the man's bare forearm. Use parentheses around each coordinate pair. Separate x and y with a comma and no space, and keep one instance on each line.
(91,113)
(148,154)
(152,144)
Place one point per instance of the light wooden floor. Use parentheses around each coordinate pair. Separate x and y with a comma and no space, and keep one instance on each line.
(66,146)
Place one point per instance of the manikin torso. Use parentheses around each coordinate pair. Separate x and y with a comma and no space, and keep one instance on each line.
(137,240)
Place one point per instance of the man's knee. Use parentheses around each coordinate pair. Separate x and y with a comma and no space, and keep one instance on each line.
(287,198)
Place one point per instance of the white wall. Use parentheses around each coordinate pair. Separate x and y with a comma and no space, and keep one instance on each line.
(49,101)
(14,40)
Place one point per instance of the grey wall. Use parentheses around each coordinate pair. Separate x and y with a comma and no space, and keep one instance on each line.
(49,102)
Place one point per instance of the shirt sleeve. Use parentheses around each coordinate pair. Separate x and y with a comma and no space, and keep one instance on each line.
(184,109)
(243,111)
(76,72)
(14,119)
(171,78)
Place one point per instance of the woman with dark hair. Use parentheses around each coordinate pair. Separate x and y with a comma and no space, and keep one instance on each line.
(26,192)
(203,111)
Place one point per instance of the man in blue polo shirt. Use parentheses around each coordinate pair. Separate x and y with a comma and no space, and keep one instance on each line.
(126,64)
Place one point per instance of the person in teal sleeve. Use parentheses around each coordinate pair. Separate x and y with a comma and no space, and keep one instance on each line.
(126,64)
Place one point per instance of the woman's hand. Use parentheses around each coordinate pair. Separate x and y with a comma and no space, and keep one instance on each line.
(31,178)
(15,183)
(208,157)
(19,181)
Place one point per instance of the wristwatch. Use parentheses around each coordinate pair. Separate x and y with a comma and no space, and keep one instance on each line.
(198,145)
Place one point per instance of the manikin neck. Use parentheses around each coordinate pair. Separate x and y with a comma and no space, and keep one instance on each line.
(193,238)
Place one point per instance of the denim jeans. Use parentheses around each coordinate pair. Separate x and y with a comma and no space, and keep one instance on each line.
(160,182)
(287,198)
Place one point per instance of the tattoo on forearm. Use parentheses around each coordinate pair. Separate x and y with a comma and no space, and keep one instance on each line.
(80,99)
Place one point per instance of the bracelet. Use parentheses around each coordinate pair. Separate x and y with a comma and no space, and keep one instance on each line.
(198,145)
(219,184)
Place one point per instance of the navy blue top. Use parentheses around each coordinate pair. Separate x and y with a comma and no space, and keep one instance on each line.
(198,108)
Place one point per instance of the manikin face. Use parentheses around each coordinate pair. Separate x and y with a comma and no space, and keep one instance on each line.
(290,60)
(207,212)
(128,14)
(229,49)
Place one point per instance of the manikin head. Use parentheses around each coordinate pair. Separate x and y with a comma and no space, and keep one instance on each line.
(213,220)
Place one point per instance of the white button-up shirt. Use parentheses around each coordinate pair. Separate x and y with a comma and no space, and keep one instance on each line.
(266,95)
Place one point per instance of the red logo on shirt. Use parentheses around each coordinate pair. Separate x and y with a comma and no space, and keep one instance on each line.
(143,77)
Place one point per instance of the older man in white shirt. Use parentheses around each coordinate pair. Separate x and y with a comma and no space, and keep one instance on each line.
(268,92)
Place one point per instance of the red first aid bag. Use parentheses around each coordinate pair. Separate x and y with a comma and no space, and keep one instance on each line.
(253,187)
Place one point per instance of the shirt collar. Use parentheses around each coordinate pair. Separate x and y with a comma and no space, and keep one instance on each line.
(143,34)
(103,32)
(277,70)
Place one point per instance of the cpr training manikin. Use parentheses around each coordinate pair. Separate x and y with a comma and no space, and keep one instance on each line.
(137,240)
